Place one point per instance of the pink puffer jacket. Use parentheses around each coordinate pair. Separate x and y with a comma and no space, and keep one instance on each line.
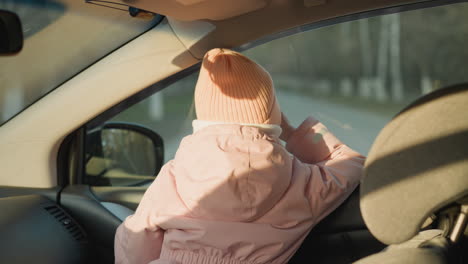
(234,195)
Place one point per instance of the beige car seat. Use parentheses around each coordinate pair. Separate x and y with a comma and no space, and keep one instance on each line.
(417,169)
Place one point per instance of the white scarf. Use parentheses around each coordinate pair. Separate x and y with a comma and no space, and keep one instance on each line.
(273,130)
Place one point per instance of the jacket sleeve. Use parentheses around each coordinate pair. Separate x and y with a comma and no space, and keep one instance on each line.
(139,239)
(335,169)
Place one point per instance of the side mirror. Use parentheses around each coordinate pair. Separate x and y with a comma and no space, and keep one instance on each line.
(11,33)
(122,154)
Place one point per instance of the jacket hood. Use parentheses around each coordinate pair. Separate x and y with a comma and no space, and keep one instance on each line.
(231,172)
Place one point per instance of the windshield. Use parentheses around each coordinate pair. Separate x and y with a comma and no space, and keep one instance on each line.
(61,39)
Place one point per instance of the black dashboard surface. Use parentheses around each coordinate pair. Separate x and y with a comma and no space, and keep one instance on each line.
(35,229)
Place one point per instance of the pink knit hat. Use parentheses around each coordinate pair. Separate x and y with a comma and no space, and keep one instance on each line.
(232,88)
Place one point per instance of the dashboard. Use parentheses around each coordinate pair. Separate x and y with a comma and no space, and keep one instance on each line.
(34,229)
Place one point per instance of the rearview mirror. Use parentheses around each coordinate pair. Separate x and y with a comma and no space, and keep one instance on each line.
(11,33)
(122,154)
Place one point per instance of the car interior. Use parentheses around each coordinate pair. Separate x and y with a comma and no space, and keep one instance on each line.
(59,204)
(429,228)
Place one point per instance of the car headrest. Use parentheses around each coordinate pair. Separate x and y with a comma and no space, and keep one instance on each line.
(417,165)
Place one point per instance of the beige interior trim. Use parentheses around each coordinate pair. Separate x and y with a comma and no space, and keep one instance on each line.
(189,10)
(29,142)
(191,32)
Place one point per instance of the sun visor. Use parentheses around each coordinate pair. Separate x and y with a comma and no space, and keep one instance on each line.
(417,165)
(188,10)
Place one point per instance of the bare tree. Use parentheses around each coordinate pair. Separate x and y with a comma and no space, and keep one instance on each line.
(382,59)
(366,49)
(395,64)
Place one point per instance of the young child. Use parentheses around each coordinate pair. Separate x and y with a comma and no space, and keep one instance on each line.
(234,194)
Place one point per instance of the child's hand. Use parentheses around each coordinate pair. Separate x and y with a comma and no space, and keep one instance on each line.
(287,128)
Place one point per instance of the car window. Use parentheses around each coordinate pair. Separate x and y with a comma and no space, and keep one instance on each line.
(61,39)
(169,113)
(354,76)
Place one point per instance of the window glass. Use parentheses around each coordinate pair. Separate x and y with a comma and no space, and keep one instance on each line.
(61,38)
(169,113)
(354,76)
